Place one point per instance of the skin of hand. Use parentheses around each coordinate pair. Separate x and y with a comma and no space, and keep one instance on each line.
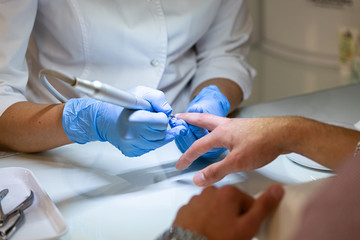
(214,101)
(32,127)
(209,100)
(255,142)
(227,213)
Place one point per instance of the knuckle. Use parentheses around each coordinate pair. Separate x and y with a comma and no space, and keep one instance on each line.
(157,136)
(194,199)
(185,160)
(157,94)
(237,164)
(163,118)
(211,173)
(208,190)
(235,161)
(223,127)
(229,192)
(183,208)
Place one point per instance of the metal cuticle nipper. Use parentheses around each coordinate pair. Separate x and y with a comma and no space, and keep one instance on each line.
(3,194)
(17,211)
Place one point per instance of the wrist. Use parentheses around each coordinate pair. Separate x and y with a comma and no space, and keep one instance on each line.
(178,233)
(293,132)
(302,135)
(227,87)
(223,100)
(79,120)
(216,102)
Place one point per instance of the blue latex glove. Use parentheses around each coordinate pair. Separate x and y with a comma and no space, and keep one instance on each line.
(134,132)
(209,100)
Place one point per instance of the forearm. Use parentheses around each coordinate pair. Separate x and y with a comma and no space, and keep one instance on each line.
(326,144)
(227,87)
(31,127)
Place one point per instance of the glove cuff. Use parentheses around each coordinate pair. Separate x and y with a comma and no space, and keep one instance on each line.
(79,120)
(222,100)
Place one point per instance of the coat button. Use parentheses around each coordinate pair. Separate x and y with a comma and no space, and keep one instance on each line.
(154,63)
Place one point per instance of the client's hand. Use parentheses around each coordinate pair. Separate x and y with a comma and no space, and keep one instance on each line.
(209,100)
(252,142)
(227,213)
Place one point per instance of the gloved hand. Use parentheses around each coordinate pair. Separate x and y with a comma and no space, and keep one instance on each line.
(209,100)
(134,132)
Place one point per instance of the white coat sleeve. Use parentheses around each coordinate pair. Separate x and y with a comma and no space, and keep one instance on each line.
(17,18)
(222,50)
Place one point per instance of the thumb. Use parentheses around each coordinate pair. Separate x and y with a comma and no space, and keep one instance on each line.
(156,98)
(158,102)
(213,173)
(263,206)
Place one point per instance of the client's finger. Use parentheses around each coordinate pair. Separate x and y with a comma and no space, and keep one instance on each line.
(198,148)
(264,206)
(215,172)
(203,120)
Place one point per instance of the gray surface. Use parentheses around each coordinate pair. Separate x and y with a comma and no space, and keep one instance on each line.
(334,105)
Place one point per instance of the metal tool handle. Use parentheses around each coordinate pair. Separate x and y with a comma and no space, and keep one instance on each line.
(107,93)
(19,212)
(95,89)
(5,235)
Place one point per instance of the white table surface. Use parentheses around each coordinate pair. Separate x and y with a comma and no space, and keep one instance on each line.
(104,195)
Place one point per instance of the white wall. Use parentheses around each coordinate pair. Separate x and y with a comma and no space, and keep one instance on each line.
(280,76)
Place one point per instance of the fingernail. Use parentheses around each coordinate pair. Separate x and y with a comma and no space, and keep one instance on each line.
(183,132)
(277,192)
(199,179)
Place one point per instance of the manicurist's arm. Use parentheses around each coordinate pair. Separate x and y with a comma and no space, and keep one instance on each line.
(31,127)
(228,88)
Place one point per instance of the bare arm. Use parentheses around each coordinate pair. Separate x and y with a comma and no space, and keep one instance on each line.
(31,127)
(227,87)
(327,144)
(255,142)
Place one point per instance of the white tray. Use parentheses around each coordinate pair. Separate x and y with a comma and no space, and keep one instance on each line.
(42,219)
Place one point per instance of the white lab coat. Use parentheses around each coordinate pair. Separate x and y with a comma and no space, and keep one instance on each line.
(171,45)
